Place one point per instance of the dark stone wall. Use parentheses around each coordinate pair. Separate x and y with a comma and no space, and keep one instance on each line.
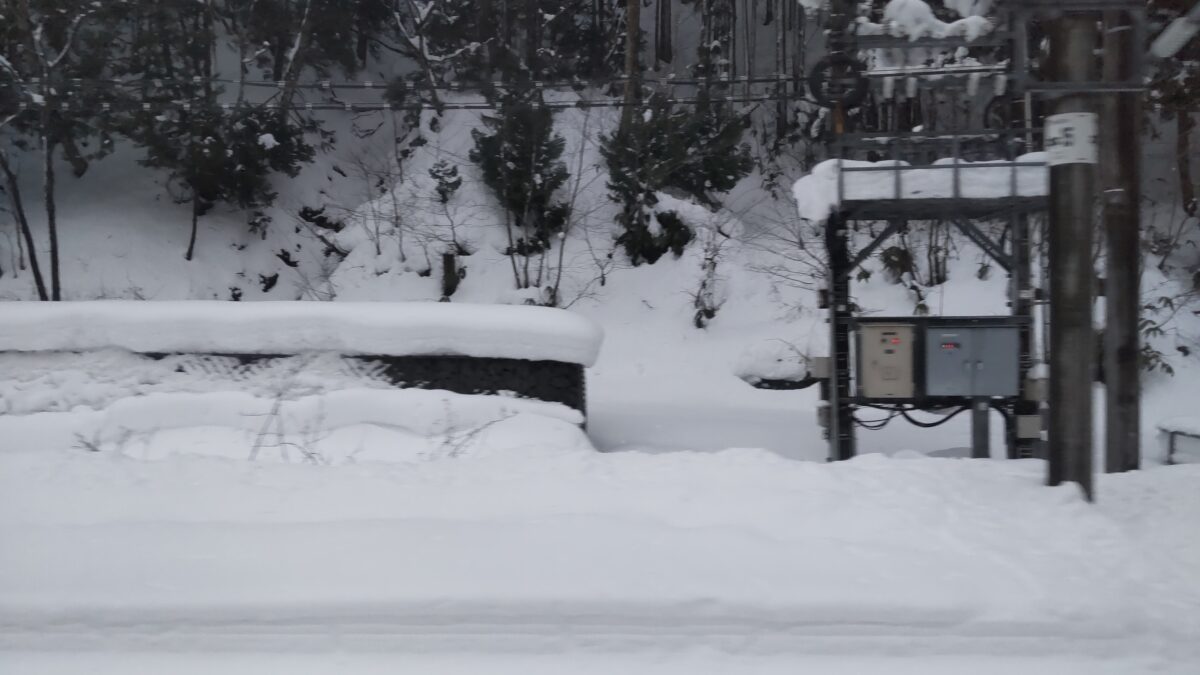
(550,381)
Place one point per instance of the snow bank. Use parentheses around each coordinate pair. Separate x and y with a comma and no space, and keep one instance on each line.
(817,193)
(334,427)
(771,360)
(397,329)
(738,551)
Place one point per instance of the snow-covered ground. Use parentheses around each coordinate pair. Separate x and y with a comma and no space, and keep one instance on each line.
(549,549)
(148,528)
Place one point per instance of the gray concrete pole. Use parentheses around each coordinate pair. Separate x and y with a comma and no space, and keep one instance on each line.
(1119,178)
(981,447)
(1071,150)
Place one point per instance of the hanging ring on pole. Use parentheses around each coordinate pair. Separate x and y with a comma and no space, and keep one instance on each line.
(843,66)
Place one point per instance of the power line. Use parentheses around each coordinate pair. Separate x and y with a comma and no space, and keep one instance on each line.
(328,85)
(151,106)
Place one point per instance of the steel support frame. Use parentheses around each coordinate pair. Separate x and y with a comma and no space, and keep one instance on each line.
(1021,304)
(837,390)
(838,393)
(841,409)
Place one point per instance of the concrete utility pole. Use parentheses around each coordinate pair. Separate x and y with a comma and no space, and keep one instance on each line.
(1119,178)
(1071,154)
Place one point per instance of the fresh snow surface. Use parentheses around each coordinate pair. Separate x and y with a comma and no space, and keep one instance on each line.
(702,661)
(915,19)
(541,547)
(966,8)
(1183,425)
(1187,447)
(398,329)
(816,194)
(774,360)
(328,428)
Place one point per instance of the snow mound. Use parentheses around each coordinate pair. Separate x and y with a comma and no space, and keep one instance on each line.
(334,427)
(395,329)
(771,360)
(817,193)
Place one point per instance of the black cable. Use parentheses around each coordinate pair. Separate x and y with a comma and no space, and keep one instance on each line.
(874,425)
(927,425)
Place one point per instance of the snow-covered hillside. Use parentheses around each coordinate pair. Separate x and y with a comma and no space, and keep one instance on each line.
(660,382)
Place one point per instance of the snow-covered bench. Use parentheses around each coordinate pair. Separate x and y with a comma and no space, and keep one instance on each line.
(523,351)
(1176,428)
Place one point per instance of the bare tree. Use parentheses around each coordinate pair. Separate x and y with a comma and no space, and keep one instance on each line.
(47,59)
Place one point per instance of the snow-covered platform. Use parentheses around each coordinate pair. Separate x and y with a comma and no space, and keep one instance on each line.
(548,548)
(946,189)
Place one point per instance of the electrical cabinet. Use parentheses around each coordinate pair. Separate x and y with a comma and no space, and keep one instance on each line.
(972,360)
(885,354)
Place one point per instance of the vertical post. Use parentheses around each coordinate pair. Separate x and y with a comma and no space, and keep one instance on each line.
(1022,306)
(1071,153)
(980,431)
(1121,196)
(841,420)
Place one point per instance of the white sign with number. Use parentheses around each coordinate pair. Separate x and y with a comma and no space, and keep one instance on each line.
(1071,138)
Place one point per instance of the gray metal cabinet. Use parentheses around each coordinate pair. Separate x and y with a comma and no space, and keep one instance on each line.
(972,361)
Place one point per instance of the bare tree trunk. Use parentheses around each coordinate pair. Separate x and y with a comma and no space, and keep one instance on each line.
(485,31)
(293,64)
(48,195)
(1183,159)
(14,195)
(664,50)
(781,106)
(533,38)
(633,23)
(191,249)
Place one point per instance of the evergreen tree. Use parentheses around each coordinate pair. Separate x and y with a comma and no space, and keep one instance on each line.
(520,161)
(212,153)
(697,152)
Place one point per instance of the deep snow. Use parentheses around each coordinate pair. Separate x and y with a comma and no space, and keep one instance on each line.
(549,548)
(390,329)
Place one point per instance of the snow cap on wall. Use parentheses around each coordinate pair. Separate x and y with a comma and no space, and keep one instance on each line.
(377,328)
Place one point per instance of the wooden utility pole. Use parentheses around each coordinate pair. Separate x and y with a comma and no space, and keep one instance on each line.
(1119,177)
(1071,154)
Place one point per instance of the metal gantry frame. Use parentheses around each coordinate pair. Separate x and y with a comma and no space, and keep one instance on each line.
(1003,145)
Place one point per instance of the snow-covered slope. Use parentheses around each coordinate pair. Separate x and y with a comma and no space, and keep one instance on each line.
(659,382)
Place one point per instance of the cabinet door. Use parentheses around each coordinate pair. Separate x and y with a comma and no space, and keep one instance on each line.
(949,360)
(997,361)
(886,368)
